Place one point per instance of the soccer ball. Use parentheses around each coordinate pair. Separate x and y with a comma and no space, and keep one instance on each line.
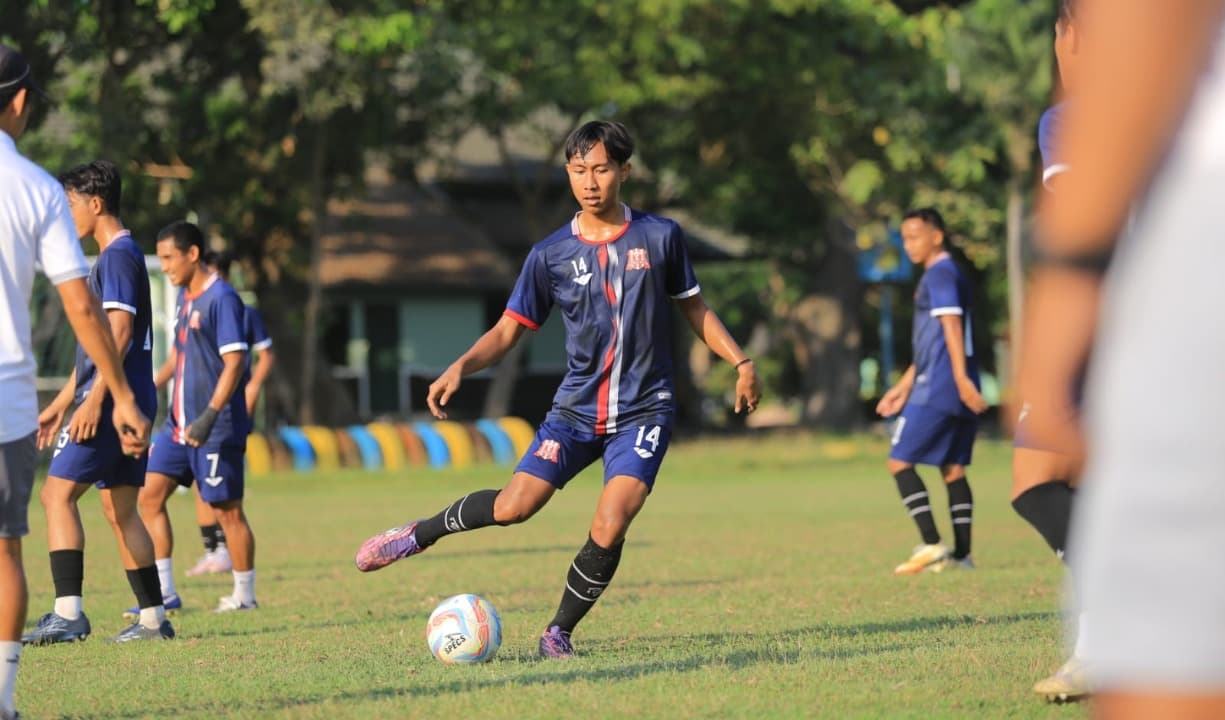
(464,629)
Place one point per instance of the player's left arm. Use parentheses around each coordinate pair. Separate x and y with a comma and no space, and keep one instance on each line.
(710,329)
(227,316)
(84,423)
(259,375)
(954,340)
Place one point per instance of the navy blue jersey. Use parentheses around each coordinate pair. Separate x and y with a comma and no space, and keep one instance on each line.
(614,299)
(1048,126)
(943,290)
(120,280)
(208,326)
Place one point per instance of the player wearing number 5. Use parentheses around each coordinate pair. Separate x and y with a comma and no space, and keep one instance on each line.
(611,272)
(206,431)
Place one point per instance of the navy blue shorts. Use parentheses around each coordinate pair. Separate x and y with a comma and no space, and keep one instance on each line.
(924,436)
(99,460)
(561,451)
(218,469)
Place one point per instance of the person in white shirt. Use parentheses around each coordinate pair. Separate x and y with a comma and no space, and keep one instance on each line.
(36,229)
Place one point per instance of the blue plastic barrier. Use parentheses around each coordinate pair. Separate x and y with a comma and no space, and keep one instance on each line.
(499,442)
(299,447)
(368,446)
(435,445)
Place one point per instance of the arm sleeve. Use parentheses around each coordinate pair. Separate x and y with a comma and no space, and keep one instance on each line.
(227,316)
(59,250)
(532,297)
(680,281)
(120,282)
(942,287)
(257,333)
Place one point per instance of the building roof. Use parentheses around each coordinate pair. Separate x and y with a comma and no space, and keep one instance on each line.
(398,237)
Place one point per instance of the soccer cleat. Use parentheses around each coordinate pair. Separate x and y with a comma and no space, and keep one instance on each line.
(52,628)
(555,643)
(212,563)
(952,563)
(137,631)
(1069,683)
(922,557)
(173,604)
(387,547)
(229,603)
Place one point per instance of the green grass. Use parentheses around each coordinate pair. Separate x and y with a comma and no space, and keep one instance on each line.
(756,583)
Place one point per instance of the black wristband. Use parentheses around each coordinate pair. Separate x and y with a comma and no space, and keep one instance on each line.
(746,360)
(202,426)
(1089,262)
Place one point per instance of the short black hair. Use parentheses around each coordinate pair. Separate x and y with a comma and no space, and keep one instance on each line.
(99,179)
(218,260)
(929,215)
(614,135)
(185,235)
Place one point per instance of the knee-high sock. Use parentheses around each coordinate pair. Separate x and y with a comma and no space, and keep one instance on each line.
(914,497)
(590,573)
(1048,507)
(961,508)
(470,512)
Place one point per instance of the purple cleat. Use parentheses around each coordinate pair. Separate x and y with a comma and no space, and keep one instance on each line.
(555,643)
(387,547)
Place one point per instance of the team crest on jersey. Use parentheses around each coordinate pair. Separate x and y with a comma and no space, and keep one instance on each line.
(194,322)
(549,450)
(637,259)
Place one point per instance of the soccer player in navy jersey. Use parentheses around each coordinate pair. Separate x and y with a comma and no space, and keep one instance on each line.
(216,558)
(206,431)
(611,272)
(938,397)
(87,451)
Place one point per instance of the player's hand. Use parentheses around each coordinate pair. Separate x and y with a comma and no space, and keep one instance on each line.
(200,428)
(84,423)
(49,423)
(748,388)
(132,425)
(252,397)
(970,395)
(893,401)
(442,389)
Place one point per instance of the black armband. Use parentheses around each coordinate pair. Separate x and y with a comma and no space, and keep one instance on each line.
(1086,262)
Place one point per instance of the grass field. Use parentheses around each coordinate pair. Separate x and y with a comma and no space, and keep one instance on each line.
(757,583)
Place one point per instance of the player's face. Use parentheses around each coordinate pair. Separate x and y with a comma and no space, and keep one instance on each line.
(84,212)
(595,179)
(177,265)
(922,241)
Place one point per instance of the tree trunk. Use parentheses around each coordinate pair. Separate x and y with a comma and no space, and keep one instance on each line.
(1015,221)
(314,295)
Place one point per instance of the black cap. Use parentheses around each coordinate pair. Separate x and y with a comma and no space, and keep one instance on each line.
(15,73)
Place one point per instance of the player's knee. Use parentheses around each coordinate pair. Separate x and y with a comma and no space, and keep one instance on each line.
(608,527)
(511,508)
(896,466)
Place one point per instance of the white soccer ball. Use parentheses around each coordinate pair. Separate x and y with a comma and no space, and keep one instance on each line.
(464,629)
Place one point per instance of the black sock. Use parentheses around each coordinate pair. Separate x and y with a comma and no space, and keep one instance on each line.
(218,537)
(961,508)
(145,586)
(1048,507)
(470,512)
(208,533)
(593,568)
(68,572)
(914,496)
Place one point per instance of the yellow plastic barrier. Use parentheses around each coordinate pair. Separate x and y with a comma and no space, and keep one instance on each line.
(521,433)
(259,455)
(390,444)
(323,442)
(458,442)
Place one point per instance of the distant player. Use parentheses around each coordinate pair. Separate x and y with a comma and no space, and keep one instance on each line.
(87,451)
(206,432)
(216,558)
(938,397)
(611,272)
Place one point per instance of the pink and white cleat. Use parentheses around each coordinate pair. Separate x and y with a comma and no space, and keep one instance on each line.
(387,547)
(212,563)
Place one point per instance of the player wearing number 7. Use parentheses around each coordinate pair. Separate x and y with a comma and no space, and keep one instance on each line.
(611,272)
(206,431)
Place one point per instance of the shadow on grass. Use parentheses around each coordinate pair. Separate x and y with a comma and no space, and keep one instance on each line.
(701,650)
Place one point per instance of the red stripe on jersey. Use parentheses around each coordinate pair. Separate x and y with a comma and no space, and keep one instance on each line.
(176,407)
(603,394)
(521,319)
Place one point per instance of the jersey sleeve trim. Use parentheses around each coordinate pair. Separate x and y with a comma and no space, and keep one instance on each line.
(65,276)
(1054,170)
(232,347)
(688,293)
(937,312)
(522,320)
(116,305)
(262,344)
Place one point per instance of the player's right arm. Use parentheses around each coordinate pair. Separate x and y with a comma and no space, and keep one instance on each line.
(895,398)
(84,423)
(488,350)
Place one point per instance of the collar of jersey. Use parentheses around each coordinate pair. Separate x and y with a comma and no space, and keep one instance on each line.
(207,284)
(7,142)
(629,216)
(118,235)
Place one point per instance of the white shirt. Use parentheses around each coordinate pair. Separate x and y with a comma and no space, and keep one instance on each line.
(35,228)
